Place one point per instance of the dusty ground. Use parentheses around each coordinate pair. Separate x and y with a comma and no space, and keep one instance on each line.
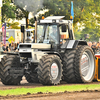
(25,84)
(60,96)
(87,95)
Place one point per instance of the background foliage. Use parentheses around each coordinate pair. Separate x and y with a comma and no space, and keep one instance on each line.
(86,14)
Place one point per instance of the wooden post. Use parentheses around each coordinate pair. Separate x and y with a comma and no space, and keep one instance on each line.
(0,25)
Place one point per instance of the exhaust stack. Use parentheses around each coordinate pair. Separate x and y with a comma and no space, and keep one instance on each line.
(35,29)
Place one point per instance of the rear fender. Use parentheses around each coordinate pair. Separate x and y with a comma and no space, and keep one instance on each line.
(72,44)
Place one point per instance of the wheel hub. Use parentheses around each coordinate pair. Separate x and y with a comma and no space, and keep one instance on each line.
(54,70)
(85,64)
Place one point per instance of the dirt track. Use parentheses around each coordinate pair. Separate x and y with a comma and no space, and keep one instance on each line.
(59,96)
(94,95)
(25,84)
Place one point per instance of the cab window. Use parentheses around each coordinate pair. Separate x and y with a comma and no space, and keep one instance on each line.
(63,35)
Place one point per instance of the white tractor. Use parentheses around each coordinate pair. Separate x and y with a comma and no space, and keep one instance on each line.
(55,54)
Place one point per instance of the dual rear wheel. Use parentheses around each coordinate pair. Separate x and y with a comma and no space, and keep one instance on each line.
(79,65)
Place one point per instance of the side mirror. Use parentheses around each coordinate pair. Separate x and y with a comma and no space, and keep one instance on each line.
(64,28)
(22,29)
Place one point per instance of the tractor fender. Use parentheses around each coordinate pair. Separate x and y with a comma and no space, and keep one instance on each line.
(72,44)
(56,53)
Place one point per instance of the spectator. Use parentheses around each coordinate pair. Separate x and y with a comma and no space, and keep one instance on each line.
(7,46)
(12,47)
(94,47)
(15,47)
(33,40)
(97,46)
(18,46)
(1,44)
(10,43)
(89,44)
(3,47)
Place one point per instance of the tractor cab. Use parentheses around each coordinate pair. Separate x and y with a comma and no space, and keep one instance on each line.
(54,30)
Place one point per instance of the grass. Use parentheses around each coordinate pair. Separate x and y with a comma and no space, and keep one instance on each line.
(47,89)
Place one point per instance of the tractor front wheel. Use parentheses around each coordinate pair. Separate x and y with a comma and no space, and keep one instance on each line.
(50,70)
(11,73)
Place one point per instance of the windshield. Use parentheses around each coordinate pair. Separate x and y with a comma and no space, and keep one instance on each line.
(47,33)
(51,34)
(40,33)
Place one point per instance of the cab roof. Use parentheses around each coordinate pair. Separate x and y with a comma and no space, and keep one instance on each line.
(55,19)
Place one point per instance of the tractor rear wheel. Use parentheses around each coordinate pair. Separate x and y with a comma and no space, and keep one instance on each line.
(10,70)
(50,70)
(79,65)
(68,66)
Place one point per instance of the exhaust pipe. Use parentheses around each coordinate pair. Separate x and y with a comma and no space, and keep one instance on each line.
(35,29)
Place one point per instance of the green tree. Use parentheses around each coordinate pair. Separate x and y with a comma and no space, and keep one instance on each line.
(26,6)
(83,10)
(94,34)
(12,24)
(8,10)
(21,13)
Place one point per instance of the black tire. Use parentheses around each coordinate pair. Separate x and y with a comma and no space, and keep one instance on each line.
(31,76)
(47,74)
(9,63)
(68,66)
(1,67)
(77,71)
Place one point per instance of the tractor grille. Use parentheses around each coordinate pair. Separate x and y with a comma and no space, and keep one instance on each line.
(24,46)
(28,55)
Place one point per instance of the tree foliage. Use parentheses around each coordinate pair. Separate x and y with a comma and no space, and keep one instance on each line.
(83,9)
(86,12)
(8,10)
(94,34)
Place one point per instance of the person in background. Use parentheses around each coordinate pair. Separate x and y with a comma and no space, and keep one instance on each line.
(3,47)
(15,47)
(11,43)
(94,47)
(11,47)
(7,47)
(89,44)
(18,45)
(1,44)
(33,40)
(97,46)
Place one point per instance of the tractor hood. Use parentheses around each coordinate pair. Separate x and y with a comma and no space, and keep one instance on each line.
(42,46)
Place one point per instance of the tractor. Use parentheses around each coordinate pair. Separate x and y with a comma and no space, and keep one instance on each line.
(54,56)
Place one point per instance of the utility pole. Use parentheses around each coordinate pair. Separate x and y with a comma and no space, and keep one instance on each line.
(0,16)
(0,24)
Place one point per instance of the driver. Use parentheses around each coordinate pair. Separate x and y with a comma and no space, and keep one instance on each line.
(53,35)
